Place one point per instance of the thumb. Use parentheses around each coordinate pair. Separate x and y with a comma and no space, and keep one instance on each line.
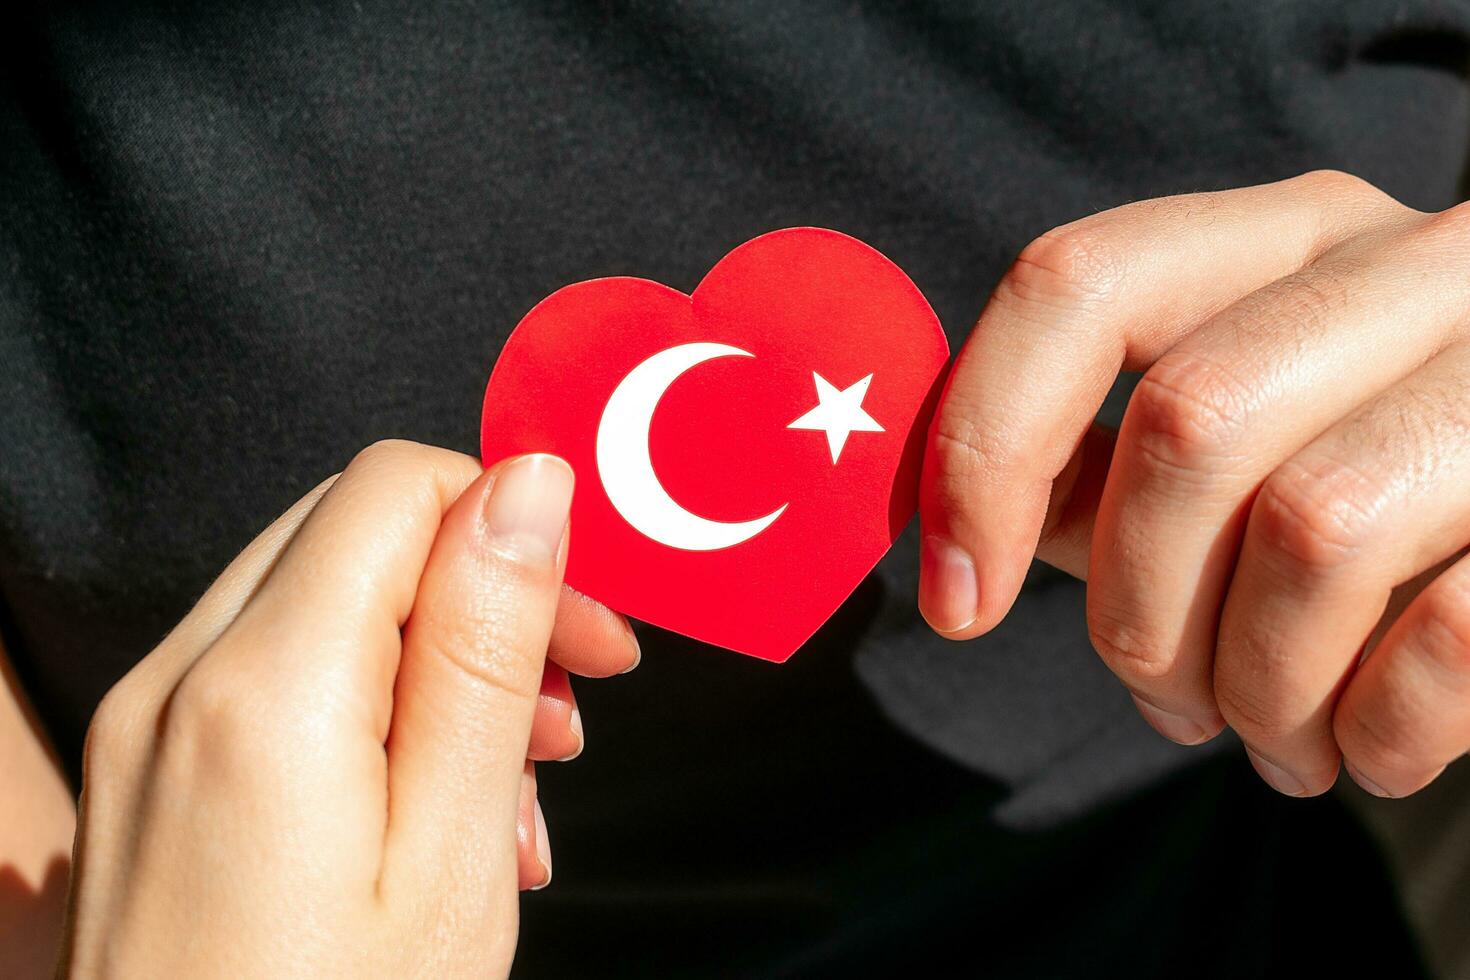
(473,651)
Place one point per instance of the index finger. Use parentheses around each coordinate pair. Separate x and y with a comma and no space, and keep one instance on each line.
(1107,293)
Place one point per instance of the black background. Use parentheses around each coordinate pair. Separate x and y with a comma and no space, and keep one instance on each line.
(240,241)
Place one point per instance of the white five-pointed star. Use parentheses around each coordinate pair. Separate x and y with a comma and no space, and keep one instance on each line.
(838,413)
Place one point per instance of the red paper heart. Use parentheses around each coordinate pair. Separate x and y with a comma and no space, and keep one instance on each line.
(678,517)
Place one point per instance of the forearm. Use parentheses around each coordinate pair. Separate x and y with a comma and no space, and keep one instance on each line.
(37,821)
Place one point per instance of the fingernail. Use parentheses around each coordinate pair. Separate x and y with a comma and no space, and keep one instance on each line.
(1176,728)
(1365,782)
(543,847)
(949,590)
(1279,779)
(575,724)
(527,507)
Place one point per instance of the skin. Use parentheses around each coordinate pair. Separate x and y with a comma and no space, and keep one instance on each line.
(1286,491)
(355,704)
(1283,496)
(36,838)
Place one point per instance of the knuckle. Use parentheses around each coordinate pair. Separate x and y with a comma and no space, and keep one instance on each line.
(1443,235)
(966,445)
(418,470)
(1124,647)
(1423,422)
(1295,308)
(388,454)
(1373,742)
(1068,265)
(1252,706)
(1339,189)
(499,641)
(481,653)
(217,721)
(205,694)
(1443,622)
(112,729)
(1453,222)
(1340,184)
(1316,518)
(1188,413)
(1346,203)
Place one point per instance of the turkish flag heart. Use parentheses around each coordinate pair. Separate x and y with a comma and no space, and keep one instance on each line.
(744,455)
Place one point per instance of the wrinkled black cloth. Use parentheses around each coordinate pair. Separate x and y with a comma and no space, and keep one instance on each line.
(240,241)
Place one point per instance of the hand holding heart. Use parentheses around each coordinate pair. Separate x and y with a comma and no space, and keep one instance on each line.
(323,770)
(1287,479)
(325,766)
(1288,487)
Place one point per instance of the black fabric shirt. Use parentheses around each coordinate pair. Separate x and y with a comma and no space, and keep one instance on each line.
(240,241)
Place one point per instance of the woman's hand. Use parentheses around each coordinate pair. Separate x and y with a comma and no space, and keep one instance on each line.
(323,771)
(1297,448)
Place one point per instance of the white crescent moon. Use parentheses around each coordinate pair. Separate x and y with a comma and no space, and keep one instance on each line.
(626,469)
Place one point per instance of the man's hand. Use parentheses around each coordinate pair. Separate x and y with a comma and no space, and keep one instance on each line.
(1297,448)
(323,770)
